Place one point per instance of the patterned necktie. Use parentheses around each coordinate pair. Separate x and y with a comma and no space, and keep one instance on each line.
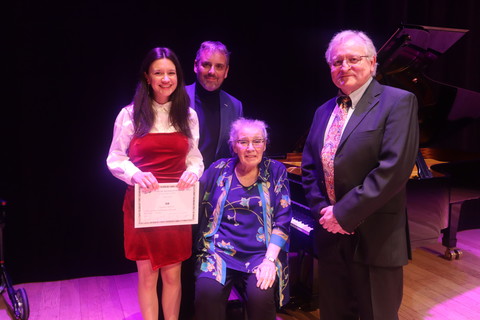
(332,139)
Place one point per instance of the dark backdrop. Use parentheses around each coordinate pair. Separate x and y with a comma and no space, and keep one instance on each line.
(71,66)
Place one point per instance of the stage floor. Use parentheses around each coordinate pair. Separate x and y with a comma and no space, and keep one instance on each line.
(435,288)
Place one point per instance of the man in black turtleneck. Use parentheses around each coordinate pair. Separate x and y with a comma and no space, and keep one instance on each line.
(215,108)
(216,111)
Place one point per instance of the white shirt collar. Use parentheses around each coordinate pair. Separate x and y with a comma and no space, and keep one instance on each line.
(356,95)
(165,107)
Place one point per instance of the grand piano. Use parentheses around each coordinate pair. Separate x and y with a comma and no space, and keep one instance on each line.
(447,170)
(448,164)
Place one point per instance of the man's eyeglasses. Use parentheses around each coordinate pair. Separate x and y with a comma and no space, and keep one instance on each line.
(256,143)
(351,60)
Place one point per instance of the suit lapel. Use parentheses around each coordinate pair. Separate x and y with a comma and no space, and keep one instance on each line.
(191,93)
(369,99)
(225,107)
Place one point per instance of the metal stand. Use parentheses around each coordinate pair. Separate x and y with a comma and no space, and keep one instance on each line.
(18,298)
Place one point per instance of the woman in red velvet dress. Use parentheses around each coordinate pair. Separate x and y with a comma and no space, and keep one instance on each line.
(155,139)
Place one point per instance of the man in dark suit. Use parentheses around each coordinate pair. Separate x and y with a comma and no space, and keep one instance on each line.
(216,111)
(356,188)
(215,108)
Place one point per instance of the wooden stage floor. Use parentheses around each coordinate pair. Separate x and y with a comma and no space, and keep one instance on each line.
(435,288)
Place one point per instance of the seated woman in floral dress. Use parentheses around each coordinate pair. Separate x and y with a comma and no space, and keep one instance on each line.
(244,228)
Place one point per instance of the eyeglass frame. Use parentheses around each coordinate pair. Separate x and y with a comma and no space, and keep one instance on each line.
(332,64)
(256,143)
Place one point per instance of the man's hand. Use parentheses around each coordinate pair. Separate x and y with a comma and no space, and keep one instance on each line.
(329,222)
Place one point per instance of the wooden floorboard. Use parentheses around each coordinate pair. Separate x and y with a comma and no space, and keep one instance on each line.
(435,288)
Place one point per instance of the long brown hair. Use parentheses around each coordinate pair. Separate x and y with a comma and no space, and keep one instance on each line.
(143,114)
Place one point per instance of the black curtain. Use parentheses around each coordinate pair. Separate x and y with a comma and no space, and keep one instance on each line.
(71,66)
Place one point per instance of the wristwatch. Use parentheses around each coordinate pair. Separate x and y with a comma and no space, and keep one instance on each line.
(270,259)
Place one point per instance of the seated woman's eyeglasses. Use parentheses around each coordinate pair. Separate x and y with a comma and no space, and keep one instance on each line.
(351,60)
(256,143)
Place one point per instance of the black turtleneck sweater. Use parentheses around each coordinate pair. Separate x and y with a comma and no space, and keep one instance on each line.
(207,106)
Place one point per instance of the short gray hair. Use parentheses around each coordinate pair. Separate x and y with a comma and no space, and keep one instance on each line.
(345,35)
(240,123)
(212,46)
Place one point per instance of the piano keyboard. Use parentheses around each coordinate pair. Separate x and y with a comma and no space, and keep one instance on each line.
(301,221)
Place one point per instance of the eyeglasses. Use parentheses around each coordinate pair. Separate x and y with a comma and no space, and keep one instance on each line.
(256,143)
(351,60)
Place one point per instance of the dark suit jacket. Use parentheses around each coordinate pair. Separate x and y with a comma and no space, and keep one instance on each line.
(373,162)
(230,110)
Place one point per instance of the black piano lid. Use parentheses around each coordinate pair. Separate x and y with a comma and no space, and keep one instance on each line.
(443,109)
(414,44)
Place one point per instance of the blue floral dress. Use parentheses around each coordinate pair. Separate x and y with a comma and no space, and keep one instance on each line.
(237,223)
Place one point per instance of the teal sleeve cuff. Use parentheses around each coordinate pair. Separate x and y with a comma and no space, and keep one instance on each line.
(279,241)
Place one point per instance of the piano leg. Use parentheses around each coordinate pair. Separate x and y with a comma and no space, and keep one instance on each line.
(464,188)
(460,198)
(449,239)
(304,281)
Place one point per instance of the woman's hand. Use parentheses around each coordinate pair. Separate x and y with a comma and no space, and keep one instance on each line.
(146,181)
(187,180)
(266,273)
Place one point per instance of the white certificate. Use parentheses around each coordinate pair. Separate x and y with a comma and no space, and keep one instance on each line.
(166,206)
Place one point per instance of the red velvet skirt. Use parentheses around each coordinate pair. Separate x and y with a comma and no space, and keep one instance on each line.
(164,155)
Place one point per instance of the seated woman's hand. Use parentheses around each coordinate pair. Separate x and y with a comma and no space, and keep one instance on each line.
(146,181)
(266,273)
(187,180)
